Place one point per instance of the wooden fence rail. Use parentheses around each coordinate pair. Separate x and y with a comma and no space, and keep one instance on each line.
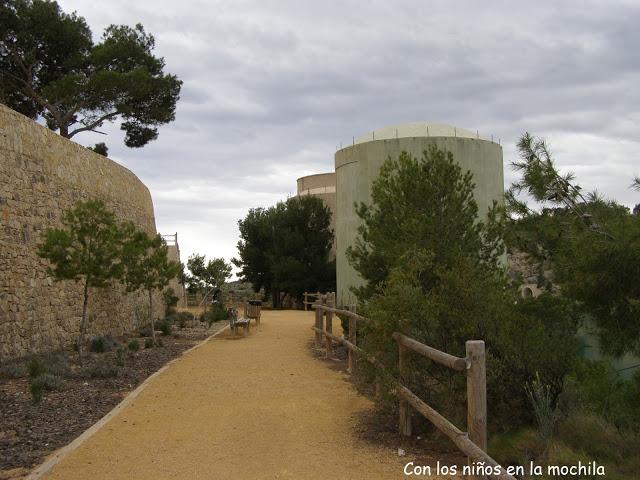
(308,296)
(474,443)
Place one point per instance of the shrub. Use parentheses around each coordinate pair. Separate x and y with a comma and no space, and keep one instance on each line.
(164,326)
(121,354)
(170,300)
(48,381)
(13,370)
(36,392)
(546,414)
(603,391)
(103,370)
(148,343)
(134,345)
(182,318)
(54,363)
(145,331)
(36,367)
(42,382)
(57,364)
(587,432)
(103,343)
(217,313)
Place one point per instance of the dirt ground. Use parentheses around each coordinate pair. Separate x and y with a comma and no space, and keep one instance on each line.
(29,432)
(260,407)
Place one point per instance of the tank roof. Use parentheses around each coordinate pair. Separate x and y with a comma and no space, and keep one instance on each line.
(418,129)
(317,175)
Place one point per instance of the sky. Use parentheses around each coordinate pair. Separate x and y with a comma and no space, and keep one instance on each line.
(272,89)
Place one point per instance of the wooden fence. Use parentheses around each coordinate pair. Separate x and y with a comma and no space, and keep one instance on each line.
(310,299)
(474,443)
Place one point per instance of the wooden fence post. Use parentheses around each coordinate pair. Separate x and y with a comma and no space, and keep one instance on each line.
(329,324)
(405,413)
(351,334)
(477,394)
(319,316)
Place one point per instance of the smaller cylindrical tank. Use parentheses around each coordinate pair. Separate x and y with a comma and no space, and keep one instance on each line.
(323,186)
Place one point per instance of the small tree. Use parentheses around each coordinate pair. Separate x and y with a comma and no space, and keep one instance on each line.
(87,250)
(146,265)
(422,204)
(205,276)
(170,298)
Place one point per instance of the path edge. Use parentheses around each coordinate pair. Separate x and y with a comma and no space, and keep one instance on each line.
(54,458)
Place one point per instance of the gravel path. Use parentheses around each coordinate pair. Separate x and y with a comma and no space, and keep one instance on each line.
(259,407)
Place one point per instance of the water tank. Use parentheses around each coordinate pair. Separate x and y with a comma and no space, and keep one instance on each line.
(323,186)
(358,165)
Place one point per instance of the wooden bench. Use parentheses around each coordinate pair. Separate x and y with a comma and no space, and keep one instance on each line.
(236,323)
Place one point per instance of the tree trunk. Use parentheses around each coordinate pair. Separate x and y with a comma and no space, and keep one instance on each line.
(83,322)
(275,298)
(64,131)
(153,326)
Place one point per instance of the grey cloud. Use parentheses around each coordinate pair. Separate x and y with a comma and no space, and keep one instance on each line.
(272,87)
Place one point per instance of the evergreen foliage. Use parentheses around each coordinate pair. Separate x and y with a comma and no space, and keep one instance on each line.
(50,67)
(433,271)
(88,249)
(285,248)
(593,245)
(146,264)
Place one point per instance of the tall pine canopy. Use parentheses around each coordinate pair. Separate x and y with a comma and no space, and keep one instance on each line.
(50,67)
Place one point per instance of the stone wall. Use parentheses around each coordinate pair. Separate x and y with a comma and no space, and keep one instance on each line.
(41,176)
(173,252)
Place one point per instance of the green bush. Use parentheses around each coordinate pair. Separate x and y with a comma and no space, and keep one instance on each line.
(215,314)
(13,370)
(170,300)
(145,331)
(40,383)
(148,343)
(182,318)
(36,392)
(103,343)
(36,366)
(164,326)
(54,363)
(601,390)
(48,381)
(103,370)
(133,345)
(121,355)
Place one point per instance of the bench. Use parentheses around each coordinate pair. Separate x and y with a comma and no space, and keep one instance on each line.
(236,323)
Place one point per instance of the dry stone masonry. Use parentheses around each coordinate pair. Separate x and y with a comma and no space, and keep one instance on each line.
(41,176)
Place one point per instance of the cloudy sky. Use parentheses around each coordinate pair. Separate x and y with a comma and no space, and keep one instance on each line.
(271,88)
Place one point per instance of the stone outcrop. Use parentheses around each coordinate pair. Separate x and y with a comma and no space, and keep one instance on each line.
(41,176)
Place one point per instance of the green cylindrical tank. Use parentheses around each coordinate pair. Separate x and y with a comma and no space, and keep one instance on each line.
(358,165)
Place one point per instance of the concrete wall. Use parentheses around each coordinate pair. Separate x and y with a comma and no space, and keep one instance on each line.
(358,165)
(41,176)
(323,186)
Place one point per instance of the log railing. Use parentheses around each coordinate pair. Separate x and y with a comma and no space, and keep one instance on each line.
(474,443)
(310,298)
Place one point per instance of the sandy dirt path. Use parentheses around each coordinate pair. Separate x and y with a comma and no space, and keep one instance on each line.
(256,408)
